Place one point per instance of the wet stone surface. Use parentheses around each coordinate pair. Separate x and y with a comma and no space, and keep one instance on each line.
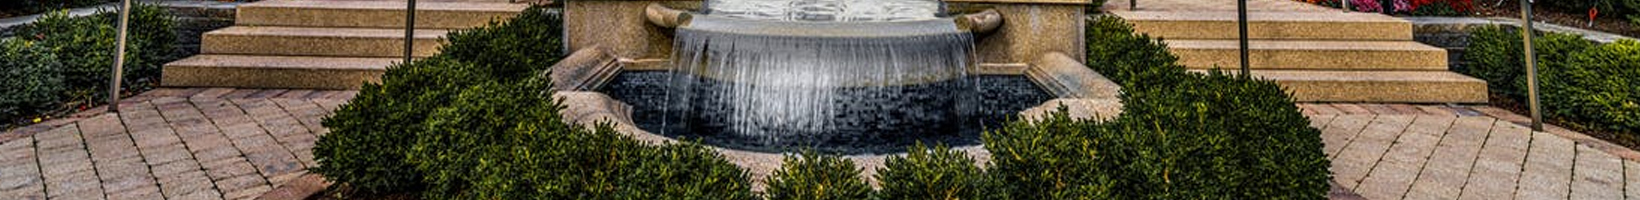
(931,113)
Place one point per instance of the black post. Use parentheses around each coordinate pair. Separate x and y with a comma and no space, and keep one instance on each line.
(1133,4)
(409,30)
(1241,22)
(119,57)
(1531,65)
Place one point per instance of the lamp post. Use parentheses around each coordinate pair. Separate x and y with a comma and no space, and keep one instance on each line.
(1241,23)
(119,57)
(1531,65)
(409,30)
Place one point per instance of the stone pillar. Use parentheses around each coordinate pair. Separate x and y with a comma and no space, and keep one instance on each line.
(620,27)
(1030,29)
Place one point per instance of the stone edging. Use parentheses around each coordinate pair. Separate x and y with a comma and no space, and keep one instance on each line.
(1576,137)
(1464,24)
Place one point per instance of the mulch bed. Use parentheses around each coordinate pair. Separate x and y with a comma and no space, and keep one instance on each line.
(1610,23)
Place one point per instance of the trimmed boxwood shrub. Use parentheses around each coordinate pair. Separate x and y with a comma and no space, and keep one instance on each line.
(1583,84)
(30,82)
(812,176)
(1115,51)
(369,135)
(937,173)
(85,45)
(1494,55)
(506,141)
(1599,86)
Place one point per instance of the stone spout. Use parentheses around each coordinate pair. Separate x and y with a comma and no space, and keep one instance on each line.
(980,22)
(666,17)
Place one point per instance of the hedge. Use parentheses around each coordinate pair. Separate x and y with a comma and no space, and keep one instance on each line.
(1583,84)
(811,176)
(30,79)
(935,173)
(75,55)
(463,125)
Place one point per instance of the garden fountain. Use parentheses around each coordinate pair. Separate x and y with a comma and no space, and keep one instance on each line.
(832,75)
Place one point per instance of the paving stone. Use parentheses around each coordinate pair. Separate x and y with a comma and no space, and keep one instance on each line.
(202,195)
(248,193)
(1400,165)
(76,182)
(229,168)
(1341,130)
(166,154)
(146,192)
(1547,173)
(239,183)
(1596,175)
(156,138)
(35,192)
(1358,157)
(87,194)
(123,168)
(175,168)
(1320,122)
(20,182)
(129,183)
(204,143)
(274,162)
(66,168)
(243,130)
(186,183)
(257,143)
(1448,168)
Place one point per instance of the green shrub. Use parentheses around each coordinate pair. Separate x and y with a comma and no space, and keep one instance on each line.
(938,173)
(30,82)
(1494,55)
(369,135)
(812,176)
(86,47)
(1598,85)
(529,42)
(506,141)
(1128,58)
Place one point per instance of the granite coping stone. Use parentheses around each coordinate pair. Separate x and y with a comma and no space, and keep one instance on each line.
(1423,25)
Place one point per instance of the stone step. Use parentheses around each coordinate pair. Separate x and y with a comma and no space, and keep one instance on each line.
(295,72)
(374,14)
(1377,86)
(309,41)
(1269,25)
(1311,55)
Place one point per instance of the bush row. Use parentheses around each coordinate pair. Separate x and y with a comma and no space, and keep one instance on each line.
(24,7)
(472,128)
(478,122)
(62,59)
(1590,86)
(1182,136)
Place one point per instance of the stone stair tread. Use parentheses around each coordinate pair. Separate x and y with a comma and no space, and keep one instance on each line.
(256,71)
(391,5)
(1268,16)
(326,32)
(1304,45)
(286,62)
(1376,86)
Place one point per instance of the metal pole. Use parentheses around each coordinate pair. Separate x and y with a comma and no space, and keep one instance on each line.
(1531,65)
(409,30)
(1133,4)
(1346,5)
(1241,22)
(119,57)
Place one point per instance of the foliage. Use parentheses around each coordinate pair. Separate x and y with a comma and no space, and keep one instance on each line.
(86,47)
(369,135)
(1414,7)
(29,79)
(1115,51)
(1599,86)
(23,7)
(529,42)
(937,173)
(813,176)
(483,146)
(1585,85)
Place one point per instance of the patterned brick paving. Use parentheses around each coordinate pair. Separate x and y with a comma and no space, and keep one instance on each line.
(202,143)
(238,144)
(1397,151)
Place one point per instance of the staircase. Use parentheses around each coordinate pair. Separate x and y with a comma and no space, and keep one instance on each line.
(1320,55)
(307,44)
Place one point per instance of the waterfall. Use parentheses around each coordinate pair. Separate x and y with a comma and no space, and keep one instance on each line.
(824,75)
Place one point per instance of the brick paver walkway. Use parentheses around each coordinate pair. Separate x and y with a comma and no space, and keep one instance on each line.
(170,144)
(238,144)
(1439,152)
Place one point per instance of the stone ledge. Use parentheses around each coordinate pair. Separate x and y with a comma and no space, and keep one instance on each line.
(1068,78)
(587,69)
(1464,24)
